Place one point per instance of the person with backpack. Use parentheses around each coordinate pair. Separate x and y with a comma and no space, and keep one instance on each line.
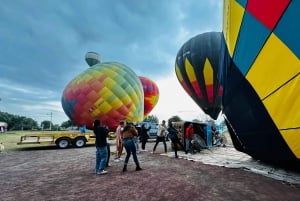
(162,128)
(174,138)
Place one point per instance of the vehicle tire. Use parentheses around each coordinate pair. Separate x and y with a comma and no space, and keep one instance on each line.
(63,143)
(80,142)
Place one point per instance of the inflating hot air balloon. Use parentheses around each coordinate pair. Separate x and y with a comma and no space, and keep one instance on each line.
(108,91)
(151,94)
(261,76)
(197,65)
(92,58)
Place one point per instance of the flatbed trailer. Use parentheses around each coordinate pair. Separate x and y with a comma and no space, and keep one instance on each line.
(61,139)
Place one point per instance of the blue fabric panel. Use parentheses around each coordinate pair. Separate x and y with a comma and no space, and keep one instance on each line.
(288,27)
(251,39)
(243,3)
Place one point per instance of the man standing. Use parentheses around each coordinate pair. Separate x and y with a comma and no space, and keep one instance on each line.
(189,134)
(162,128)
(101,134)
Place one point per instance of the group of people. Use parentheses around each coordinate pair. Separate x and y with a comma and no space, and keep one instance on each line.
(126,137)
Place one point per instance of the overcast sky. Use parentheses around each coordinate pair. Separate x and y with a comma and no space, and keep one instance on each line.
(43,45)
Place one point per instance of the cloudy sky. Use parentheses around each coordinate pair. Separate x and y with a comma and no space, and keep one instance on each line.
(43,46)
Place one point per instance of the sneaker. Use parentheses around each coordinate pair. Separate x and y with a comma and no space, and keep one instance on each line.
(121,159)
(117,160)
(138,168)
(102,172)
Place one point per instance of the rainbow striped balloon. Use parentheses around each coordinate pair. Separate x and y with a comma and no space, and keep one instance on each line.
(108,91)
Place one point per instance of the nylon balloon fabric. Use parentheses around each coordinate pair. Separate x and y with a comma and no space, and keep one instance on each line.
(260,56)
(108,91)
(197,66)
(151,94)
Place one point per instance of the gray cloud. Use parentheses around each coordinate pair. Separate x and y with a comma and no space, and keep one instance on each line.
(43,43)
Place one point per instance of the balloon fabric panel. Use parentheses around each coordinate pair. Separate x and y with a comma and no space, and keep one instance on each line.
(151,94)
(233,13)
(275,59)
(288,27)
(209,80)
(292,138)
(192,78)
(268,12)
(249,41)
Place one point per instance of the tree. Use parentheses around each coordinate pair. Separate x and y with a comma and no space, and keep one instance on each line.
(174,119)
(16,122)
(67,124)
(45,125)
(151,118)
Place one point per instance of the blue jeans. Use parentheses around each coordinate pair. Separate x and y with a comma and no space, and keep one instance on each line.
(101,158)
(188,145)
(130,148)
(136,142)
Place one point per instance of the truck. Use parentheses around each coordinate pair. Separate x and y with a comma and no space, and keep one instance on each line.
(62,140)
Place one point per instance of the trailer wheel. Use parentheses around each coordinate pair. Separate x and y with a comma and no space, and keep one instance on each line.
(80,142)
(63,143)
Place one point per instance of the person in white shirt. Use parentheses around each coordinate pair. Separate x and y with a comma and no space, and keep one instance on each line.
(162,128)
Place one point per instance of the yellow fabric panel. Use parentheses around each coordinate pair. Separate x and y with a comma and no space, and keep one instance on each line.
(178,73)
(105,93)
(116,103)
(108,82)
(208,73)
(275,65)
(105,107)
(292,138)
(283,105)
(190,71)
(232,18)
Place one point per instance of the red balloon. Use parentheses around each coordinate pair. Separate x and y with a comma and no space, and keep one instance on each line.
(151,94)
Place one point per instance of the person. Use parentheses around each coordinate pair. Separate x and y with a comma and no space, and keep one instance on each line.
(83,129)
(119,141)
(128,133)
(162,128)
(189,134)
(144,136)
(174,138)
(101,146)
(108,149)
(215,134)
(136,140)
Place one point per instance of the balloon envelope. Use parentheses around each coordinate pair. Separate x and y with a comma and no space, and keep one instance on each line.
(109,91)
(151,94)
(197,64)
(260,53)
(92,58)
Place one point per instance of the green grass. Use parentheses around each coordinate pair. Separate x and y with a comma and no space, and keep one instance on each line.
(11,138)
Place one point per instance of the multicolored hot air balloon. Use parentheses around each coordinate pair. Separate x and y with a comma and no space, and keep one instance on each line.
(261,77)
(151,94)
(197,65)
(109,91)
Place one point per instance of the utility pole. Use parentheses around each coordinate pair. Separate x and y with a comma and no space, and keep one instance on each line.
(50,121)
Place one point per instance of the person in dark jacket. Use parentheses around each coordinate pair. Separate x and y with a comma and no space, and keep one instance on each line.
(144,136)
(174,138)
(101,134)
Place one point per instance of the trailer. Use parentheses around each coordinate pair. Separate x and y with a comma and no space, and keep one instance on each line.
(62,140)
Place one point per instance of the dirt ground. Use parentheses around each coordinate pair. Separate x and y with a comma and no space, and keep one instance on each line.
(48,173)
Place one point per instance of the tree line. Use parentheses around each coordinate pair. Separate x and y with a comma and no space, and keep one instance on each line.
(16,122)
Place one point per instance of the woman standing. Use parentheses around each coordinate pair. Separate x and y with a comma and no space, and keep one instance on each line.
(128,134)
(101,134)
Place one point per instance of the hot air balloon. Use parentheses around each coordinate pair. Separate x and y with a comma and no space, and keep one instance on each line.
(260,74)
(197,64)
(151,94)
(92,58)
(108,91)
